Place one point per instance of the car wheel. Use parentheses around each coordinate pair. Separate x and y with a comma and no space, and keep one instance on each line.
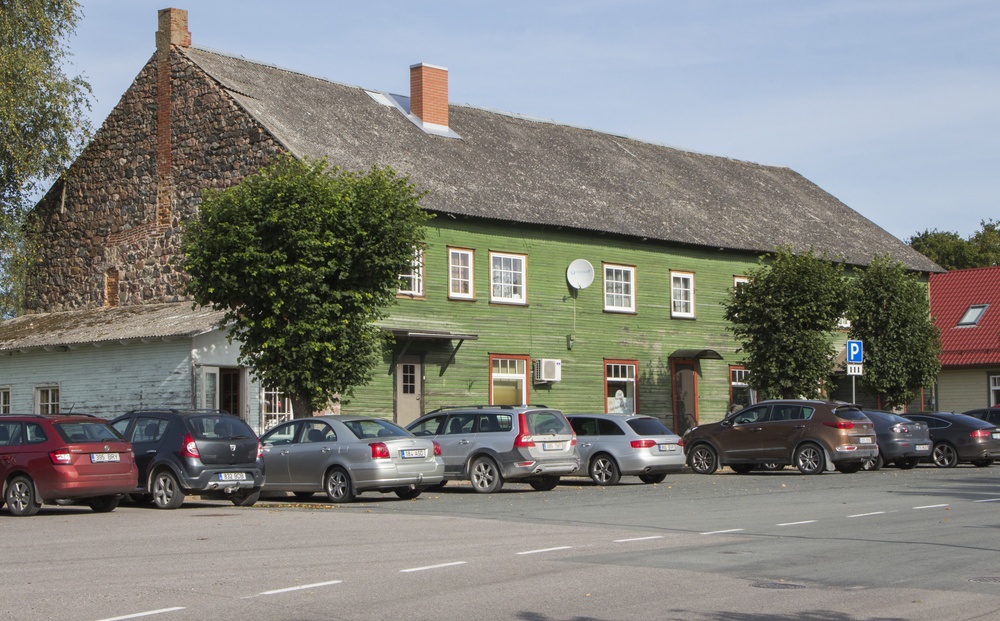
(809,459)
(604,470)
(741,468)
(408,493)
(982,463)
(908,463)
(873,463)
(20,497)
(167,493)
(849,468)
(303,495)
(485,476)
(245,497)
(703,459)
(653,478)
(944,455)
(772,467)
(338,486)
(544,484)
(104,504)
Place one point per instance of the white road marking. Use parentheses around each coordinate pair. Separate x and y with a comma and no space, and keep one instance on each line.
(144,614)
(930,507)
(988,500)
(546,550)
(638,539)
(720,532)
(867,514)
(301,587)
(403,571)
(797,523)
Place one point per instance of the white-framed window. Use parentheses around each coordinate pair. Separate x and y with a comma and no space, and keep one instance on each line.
(461,266)
(508,278)
(5,400)
(682,294)
(508,379)
(276,408)
(46,400)
(411,281)
(619,288)
(621,396)
(994,390)
(973,314)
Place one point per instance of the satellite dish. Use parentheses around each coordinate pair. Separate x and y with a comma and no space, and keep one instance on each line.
(580,274)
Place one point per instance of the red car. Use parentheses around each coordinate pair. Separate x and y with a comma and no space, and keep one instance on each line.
(44,458)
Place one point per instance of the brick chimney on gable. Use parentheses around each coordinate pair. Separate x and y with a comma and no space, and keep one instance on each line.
(173,30)
(429,93)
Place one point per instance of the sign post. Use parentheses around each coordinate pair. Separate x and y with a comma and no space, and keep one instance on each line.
(855,358)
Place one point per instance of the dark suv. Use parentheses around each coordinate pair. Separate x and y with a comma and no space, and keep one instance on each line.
(812,435)
(45,458)
(490,444)
(210,453)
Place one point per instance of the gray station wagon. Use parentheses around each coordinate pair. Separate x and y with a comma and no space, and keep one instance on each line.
(612,445)
(491,444)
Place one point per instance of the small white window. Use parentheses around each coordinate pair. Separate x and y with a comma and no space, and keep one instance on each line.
(460,271)
(4,400)
(47,400)
(973,315)
(681,294)
(507,278)
(619,288)
(411,282)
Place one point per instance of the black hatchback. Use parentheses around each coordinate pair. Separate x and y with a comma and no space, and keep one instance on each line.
(209,453)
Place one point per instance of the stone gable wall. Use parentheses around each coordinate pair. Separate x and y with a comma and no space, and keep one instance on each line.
(103,216)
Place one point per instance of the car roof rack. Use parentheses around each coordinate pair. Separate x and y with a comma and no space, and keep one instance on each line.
(527,406)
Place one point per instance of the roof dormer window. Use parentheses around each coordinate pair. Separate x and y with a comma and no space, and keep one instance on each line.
(973,315)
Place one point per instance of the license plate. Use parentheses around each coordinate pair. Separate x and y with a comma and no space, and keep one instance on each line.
(96,458)
(668,447)
(923,447)
(232,476)
(996,435)
(413,453)
(552,446)
(864,440)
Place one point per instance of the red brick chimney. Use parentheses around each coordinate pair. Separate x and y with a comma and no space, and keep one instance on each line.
(173,30)
(429,93)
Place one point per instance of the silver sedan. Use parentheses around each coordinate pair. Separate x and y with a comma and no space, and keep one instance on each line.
(343,456)
(612,445)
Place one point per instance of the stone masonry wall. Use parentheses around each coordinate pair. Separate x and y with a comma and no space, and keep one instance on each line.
(101,218)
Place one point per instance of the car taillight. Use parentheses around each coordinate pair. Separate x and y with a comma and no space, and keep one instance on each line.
(572,441)
(189,448)
(61,457)
(379,450)
(900,429)
(680,443)
(647,443)
(840,424)
(523,439)
(437,448)
(981,433)
(260,451)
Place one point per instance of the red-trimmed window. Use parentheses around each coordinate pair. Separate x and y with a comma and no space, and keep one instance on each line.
(621,386)
(509,379)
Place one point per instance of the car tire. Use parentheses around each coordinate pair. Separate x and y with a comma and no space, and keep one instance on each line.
(408,493)
(604,470)
(104,504)
(338,485)
(850,467)
(245,497)
(651,479)
(167,492)
(21,498)
(485,476)
(907,463)
(810,459)
(741,468)
(303,495)
(982,463)
(873,463)
(703,459)
(944,455)
(544,484)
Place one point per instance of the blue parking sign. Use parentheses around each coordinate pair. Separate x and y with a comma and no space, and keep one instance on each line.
(855,352)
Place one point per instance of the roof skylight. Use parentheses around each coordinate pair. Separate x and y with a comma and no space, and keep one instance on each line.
(973,315)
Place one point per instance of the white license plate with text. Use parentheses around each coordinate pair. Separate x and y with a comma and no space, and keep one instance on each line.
(552,446)
(668,447)
(413,453)
(232,476)
(96,458)
(864,440)
(923,447)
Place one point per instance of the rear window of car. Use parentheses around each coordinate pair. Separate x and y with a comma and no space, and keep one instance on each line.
(850,414)
(543,423)
(648,427)
(375,428)
(886,417)
(218,426)
(87,431)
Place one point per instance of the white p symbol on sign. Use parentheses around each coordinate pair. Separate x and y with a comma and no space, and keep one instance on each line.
(855,352)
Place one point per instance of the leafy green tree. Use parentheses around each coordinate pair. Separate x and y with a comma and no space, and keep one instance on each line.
(986,242)
(43,122)
(890,312)
(305,259)
(783,318)
(952,252)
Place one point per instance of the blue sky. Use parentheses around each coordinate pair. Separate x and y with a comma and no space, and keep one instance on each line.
(892,106)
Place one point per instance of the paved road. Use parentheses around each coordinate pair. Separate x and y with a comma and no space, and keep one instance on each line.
(889,545)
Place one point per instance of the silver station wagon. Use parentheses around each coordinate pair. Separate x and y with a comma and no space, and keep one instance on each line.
(612,445)
(343,456)
(491,444)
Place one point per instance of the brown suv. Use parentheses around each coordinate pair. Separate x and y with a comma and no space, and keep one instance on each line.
(812,435)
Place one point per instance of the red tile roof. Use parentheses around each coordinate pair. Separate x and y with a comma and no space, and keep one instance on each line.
(951,295)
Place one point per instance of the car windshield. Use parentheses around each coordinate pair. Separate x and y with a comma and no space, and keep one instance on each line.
(218,426)
(87,431)
(375,428)
(543,423)
(648,427)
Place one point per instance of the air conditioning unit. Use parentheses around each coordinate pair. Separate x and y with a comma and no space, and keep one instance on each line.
(547,370)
